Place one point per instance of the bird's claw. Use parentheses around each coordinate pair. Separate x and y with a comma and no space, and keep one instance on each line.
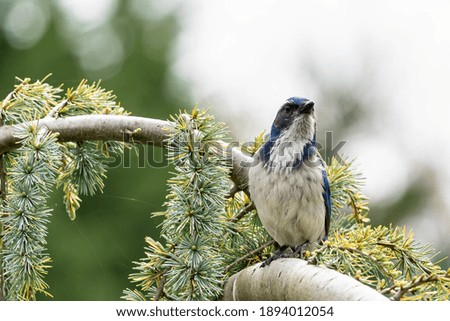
(298,250)
(275,256)
(270,260)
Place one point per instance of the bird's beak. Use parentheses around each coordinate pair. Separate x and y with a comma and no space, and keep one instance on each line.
(307,107)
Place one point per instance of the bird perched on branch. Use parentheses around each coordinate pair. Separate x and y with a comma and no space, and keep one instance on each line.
(288,183)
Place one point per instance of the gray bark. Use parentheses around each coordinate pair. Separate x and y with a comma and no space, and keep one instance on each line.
(295,280)
(121,128)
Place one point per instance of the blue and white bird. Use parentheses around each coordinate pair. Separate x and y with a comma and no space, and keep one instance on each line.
(288,183)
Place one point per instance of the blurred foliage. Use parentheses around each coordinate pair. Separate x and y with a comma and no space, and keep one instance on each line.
(92,255)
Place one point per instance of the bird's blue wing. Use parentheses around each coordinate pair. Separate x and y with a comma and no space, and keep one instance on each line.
(326,194)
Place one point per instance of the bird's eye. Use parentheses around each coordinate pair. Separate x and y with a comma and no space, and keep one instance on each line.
(288,109)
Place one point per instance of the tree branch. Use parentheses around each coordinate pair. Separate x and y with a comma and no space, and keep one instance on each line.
(249,254)
(57,108)
(123,128)
(295,280)
(96,127)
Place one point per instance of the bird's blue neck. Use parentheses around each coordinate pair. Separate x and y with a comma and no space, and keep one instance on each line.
(308,150)
(276,134)
(267,147)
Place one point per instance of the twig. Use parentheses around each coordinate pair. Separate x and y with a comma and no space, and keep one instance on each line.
(249,254)
(411,285)
(386,291)
(160,289)
(232,192)
(57,108)
(250,207)
(8,98)
(403,253)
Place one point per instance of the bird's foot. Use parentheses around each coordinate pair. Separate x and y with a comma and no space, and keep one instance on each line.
(271,259)
(275,256)
(296,251)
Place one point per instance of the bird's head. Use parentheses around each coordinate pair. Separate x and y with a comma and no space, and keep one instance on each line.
(295,116)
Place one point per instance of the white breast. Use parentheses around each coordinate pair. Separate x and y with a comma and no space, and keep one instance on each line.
(290,205)
(289,200)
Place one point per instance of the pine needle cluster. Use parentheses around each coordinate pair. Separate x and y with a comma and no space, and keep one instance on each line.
(31,172)
(32,168)
(190,266)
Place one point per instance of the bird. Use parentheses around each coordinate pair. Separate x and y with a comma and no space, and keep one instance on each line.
(288,183)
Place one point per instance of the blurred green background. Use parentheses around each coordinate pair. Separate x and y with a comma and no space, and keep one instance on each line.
(130,47)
